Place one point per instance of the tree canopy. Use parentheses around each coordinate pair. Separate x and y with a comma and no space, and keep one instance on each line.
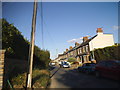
(17,46)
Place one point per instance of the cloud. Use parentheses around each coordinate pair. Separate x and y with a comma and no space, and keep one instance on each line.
(116,27)
(75,40)
(79,40)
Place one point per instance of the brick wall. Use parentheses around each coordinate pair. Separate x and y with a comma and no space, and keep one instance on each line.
(2,54)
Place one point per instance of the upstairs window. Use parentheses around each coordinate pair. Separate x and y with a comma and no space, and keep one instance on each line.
(86,48)
(83,49)
(80,50)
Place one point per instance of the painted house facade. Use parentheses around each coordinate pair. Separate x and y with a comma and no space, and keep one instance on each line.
(82,51)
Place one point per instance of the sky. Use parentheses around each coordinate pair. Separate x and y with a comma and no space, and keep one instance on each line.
(60,24)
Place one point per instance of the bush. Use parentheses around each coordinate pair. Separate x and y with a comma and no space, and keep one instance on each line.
(72,60)
(107,53)
(17,47)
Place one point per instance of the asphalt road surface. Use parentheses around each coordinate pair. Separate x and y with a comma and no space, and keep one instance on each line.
(65,78)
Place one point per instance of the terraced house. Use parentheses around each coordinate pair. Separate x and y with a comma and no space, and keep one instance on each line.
(82,51)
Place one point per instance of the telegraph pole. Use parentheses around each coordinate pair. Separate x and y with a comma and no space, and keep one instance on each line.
(31,48)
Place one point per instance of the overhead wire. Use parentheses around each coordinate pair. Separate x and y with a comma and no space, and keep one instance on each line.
(40,8)
(42,26)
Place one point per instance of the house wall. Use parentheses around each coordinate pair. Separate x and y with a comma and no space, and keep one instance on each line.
(101,41)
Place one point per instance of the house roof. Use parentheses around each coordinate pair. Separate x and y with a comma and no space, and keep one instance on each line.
(82,44)
(108,33)
(86,42)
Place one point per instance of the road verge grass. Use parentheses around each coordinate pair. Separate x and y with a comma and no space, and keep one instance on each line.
(40,79)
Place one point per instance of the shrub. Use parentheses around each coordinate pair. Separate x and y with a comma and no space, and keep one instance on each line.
(17,47)
(107,53)
(72,60)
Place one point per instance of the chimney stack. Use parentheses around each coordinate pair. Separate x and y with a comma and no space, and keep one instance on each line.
(99,31)
(66,50)
(85,39)
(77,44)
(70,47)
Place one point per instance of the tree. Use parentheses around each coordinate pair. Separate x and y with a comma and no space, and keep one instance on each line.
(18,47)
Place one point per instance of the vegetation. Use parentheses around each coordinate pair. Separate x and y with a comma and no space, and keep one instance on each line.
(72,60)
(107,53)
(17,47)
(40,79)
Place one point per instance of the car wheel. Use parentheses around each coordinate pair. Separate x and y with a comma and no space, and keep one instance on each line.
(97,74)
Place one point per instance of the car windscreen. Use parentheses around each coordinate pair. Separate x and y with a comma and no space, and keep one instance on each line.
(65,64)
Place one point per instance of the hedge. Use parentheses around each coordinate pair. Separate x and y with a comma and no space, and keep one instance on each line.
(107,53)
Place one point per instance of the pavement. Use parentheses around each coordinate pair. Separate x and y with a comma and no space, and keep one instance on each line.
(71,78)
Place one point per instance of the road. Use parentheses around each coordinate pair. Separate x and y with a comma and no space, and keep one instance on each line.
(65,78)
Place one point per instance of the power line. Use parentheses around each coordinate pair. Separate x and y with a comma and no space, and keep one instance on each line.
(42,26)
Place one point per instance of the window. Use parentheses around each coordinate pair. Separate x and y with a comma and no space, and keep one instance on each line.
(74,52)
(85,59)
(70,53)
(83,49)
(81,58)
(86,48)
(78,50)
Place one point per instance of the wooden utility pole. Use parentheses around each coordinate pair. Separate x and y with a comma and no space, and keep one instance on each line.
(31,49)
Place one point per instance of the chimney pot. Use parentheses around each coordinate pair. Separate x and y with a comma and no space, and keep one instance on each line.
(76,44)
(70,47)
(66,50)
(99,30)
(85,39)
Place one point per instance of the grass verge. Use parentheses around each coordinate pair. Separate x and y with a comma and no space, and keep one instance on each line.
(40,79)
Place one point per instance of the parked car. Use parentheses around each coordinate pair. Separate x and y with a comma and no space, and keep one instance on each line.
(87,68)
(109,69)
(65,65)
(52,64)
